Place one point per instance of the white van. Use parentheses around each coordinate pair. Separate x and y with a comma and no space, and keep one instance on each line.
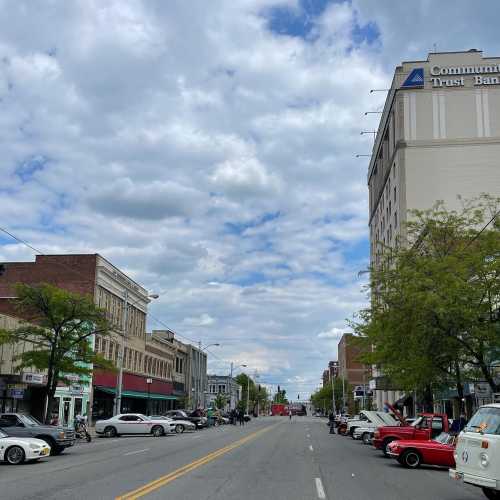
(477,454)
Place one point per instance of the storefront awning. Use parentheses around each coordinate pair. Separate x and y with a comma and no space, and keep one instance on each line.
(137,394)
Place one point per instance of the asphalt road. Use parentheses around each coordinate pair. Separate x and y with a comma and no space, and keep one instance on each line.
(270,458)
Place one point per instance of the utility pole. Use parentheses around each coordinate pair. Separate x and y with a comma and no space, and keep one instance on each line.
(231,388)
(118,399)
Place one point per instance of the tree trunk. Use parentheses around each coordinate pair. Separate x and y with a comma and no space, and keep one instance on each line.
(428,399)
(460,388)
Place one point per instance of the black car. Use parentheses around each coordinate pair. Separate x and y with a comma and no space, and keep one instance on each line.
(21,425)
(194,417)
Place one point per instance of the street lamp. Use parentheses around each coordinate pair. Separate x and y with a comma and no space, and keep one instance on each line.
(149,381)
(119,385)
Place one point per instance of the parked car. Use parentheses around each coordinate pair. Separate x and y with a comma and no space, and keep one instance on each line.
(133,423)
(16,450)
(365,434)
(425,428)
(180,425)
(477,454)
(437,451)
(195,417)
(370,419)
(24,426)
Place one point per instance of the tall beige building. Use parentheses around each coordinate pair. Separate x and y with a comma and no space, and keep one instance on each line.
(438,138)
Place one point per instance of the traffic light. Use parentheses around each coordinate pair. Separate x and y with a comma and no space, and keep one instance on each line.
(259,387)
(2,269)
(298,396)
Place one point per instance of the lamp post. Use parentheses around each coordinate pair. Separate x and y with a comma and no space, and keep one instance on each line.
(119,385)
(149,381)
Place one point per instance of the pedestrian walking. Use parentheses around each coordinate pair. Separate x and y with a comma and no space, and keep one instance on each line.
(290,415)
(241,417)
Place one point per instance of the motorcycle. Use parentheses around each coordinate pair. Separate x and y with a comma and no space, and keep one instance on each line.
(81,431)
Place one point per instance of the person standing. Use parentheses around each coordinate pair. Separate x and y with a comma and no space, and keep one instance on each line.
(290,414)
(241,417)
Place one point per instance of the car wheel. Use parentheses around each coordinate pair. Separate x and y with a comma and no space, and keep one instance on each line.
(15,455)
(157,431)
(179,429)
(56,449)
(385,446)
(110,432)
(491,494)
(410,459)
(366,438)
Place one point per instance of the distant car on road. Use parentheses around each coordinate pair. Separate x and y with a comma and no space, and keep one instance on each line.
(437,451)
(180,425)
(133,423)
(21,425)
(16,450)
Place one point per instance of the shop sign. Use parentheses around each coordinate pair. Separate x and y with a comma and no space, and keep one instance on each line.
(76,390)
(33,378)
(16,393)
(455,76)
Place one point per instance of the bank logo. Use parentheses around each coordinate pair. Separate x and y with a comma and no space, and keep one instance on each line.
(414,80)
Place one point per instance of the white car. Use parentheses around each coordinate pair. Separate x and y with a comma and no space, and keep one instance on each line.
(15,450)
(179,425)
(133,423)
(364,433)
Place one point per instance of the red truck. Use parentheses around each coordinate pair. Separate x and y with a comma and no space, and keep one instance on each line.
(426,427)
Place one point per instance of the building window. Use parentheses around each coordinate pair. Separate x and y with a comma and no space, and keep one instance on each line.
(111,347)
(394,194)
(395,220)
(97,344)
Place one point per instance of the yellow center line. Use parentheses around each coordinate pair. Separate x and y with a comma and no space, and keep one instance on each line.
(172,476)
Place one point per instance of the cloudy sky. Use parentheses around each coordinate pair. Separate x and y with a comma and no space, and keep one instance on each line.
(207,149)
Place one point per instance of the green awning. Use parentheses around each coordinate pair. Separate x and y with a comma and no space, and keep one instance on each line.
(137,394)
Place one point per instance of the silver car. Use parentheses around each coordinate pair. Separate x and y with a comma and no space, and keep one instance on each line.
(133,423)
(180,425)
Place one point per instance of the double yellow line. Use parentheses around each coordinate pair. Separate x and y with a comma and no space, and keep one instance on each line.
(172,476)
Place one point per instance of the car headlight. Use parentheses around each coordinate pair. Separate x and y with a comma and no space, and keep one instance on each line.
(34,446)
(484,460)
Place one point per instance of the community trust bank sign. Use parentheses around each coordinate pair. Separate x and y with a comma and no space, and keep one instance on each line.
(454,76)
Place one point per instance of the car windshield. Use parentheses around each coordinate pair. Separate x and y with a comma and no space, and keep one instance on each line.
(417,422)
(485,421)
(29,420)
(444,438)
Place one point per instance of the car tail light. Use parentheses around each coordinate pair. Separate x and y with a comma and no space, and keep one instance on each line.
(485,444)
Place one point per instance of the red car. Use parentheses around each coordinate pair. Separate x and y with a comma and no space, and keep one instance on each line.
(437,451)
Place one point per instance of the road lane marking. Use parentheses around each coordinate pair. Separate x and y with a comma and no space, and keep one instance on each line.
(311,448)
(135,452)
(168,478)
(319,488)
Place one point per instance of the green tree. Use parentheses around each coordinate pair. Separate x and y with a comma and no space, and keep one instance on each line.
(220,401)
(433,317)
(59,325)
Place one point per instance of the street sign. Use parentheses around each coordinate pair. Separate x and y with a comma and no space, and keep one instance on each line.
(33,378)
(17,393)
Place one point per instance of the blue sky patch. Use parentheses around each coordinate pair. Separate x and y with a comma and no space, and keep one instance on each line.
(27,169)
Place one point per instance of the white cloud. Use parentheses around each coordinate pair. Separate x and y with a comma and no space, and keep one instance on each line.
(202,320)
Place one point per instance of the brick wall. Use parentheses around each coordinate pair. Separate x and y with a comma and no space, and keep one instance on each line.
(75,273)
